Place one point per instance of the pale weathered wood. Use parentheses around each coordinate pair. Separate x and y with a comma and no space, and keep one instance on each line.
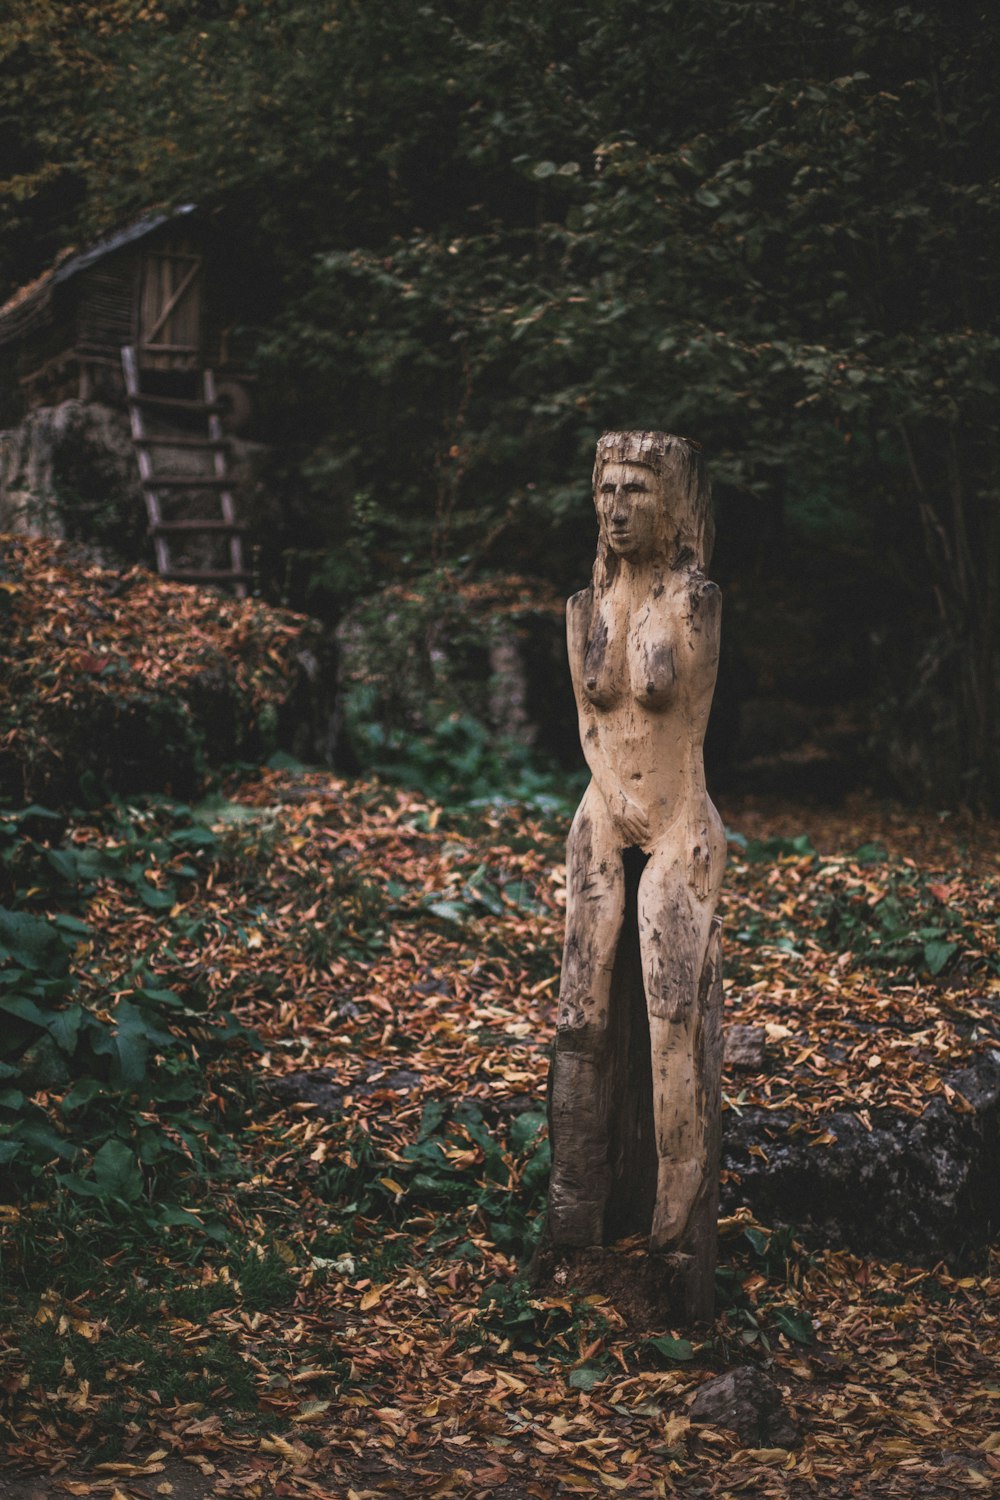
(635,1091)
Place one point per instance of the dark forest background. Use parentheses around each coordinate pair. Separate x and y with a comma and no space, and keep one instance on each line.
(480,234)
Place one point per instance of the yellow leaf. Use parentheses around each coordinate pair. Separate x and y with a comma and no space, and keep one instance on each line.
(991,1443)
(393,1186)
(512,1382)
(310,1410)
(770,1455)
(675,1429)
(372,1299)
(284,1450)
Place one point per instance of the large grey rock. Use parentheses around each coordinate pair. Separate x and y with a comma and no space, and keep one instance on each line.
(749,1403)
(745,1046)
(924,1187)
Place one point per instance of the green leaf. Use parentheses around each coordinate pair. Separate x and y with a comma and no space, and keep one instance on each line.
(585,1377)
(43,1141)
(434,1112)
(180,1217)
(64,1028)
(526,1129)
(795,1325)
(117,1173)
(679,1350)
(870,854)
(63,861)
(154,899)
(32,942)
(82,1092)
(24,1009)
(450,911)
(134,1031)
(938,954)
(159,997)
(72,925)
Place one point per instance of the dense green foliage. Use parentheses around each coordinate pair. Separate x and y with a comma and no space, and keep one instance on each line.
(488,232)
(124,1055)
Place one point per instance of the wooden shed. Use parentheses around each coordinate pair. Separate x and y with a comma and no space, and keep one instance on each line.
(147,319)
(162,286)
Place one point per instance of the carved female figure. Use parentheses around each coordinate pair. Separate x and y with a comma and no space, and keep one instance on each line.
(643,649)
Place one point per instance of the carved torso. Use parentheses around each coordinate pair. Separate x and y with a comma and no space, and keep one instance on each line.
(643,656)
(636,659)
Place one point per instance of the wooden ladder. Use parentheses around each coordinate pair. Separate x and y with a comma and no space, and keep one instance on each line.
(171,534)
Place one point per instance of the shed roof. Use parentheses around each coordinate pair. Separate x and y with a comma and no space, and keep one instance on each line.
(28,308)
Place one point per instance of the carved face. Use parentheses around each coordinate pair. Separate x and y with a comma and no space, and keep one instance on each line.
(629,507)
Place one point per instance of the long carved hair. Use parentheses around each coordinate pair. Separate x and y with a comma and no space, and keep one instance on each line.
(687,529)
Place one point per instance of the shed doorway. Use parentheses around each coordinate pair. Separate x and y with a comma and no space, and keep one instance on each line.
(169,315)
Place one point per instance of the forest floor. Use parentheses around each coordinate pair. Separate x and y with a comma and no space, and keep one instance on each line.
(336,1311)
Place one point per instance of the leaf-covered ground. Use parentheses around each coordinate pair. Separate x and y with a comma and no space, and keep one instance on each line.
(110,679)
(347,1321)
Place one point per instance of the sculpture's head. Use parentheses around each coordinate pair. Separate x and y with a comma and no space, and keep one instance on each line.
(653,501)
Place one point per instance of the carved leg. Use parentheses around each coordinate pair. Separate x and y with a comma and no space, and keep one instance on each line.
(675,934)
(580,1093)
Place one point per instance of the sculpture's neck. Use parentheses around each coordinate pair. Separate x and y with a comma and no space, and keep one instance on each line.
(638,577)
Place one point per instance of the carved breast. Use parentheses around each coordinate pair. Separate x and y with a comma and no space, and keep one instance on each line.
(642,664)
(603,665)
(653,670)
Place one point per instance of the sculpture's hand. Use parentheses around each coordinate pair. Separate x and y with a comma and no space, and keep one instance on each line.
(699,858)
(633,823)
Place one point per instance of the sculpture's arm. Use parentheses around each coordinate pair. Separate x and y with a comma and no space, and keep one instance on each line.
(703,625)
(627,815)
(703,630)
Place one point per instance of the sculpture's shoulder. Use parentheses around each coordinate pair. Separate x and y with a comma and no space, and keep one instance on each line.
(703,610)
(580,605)
(703,596)
(579,610)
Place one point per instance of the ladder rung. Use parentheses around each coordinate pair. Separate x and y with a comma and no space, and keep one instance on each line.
(175,403)
(208,575)
(210,525)
(185,482)
(160,439)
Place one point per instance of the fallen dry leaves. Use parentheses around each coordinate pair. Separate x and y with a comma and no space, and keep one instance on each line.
(401,1005)
(411,954)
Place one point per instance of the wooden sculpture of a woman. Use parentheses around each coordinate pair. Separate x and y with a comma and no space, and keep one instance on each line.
(634,1096)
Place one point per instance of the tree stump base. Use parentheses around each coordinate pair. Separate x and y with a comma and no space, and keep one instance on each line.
(649,1291)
